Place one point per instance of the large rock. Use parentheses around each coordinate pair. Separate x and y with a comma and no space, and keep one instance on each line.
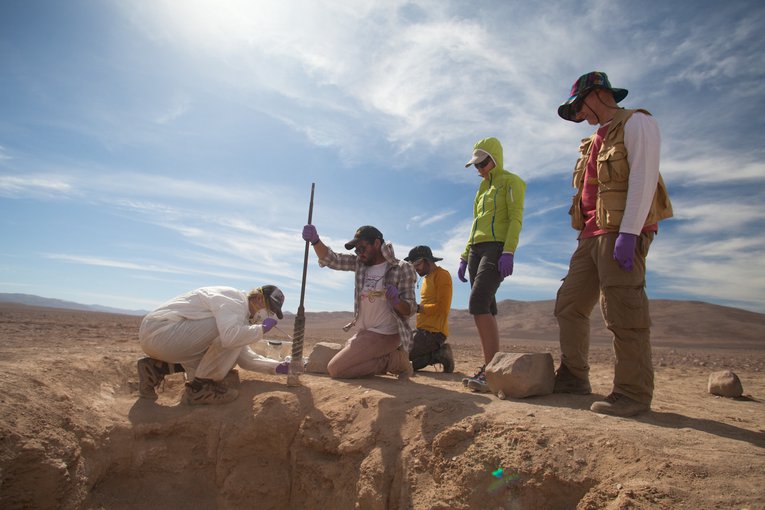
(520,375)
(320,356)
(725,383)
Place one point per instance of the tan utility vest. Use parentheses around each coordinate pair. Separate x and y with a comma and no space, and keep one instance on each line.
(613,177)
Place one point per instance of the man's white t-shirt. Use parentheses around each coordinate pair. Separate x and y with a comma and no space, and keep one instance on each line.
(375,313)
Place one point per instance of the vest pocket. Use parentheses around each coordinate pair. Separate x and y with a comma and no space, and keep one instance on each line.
(661,207)
(579,169)
(609,209)
(577,220)
(612,165)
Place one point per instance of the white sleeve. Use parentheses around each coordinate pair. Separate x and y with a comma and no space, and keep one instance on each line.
(230,310)
(251,360)
(642,140)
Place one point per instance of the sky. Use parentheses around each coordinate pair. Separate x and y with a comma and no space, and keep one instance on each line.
(150,147)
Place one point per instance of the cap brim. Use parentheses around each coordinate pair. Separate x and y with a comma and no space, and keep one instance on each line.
(566,112)
(276,308)
(473,161)
(351,244)
(619,94)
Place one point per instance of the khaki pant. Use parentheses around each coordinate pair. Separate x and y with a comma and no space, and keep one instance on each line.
(593,275)
(366,353)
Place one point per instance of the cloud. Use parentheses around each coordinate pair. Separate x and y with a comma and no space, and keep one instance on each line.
(719,168)
(726,217)
(181,104)
(423,220)
(40,185)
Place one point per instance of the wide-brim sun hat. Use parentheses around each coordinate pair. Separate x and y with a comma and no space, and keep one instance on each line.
(584,84)
(421,252)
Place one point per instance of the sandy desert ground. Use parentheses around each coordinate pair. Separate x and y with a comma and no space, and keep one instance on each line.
(74,435)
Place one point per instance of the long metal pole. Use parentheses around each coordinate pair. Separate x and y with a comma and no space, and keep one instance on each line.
(296,366)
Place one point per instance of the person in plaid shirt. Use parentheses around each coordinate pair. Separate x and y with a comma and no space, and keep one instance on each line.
(383,302)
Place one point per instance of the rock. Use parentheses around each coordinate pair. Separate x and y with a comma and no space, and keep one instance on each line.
(725,383)
(520,375)
(320,356)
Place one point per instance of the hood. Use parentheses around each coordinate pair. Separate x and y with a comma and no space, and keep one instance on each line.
(493,147)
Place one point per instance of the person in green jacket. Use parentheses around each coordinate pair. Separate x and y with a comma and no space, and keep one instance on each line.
(488,256)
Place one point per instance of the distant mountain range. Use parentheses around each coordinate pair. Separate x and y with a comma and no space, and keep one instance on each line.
(32,300)
(674,322)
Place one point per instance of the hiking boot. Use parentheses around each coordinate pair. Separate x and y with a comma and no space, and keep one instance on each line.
(151,373)
(207,391)
(445,358)
(566,382)
(617,404)
(479,383)
(399,364)
(466,380)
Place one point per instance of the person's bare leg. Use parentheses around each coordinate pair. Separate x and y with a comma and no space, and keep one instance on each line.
(486,324)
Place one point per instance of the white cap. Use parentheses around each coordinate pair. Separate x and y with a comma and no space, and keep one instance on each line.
(478,156)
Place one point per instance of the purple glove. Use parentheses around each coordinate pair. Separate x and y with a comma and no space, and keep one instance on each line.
(506,265)
(624,250)
(310,234)
(391,292)
(461,271)
(283,368)
(268,323)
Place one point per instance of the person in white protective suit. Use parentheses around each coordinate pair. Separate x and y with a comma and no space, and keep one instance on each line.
(205,332)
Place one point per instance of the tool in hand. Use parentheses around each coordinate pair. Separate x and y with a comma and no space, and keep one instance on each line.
(299,329)
(282,331)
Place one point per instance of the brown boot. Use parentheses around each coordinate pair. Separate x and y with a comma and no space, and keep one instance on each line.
(566,382)
(617,404)
(207,391)
(399,364)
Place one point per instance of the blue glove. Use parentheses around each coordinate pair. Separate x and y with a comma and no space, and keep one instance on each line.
(391,292)
(268,323)
(506,265)
(310,234)
(624,250)
(461,271)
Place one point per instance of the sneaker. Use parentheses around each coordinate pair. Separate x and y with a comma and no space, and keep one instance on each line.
(151,373)
(617,404)
(207,391)
(566,382)
(446,358)
(479,383)
(466,380)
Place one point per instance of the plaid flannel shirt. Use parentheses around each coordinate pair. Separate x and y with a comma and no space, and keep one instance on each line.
(399,273)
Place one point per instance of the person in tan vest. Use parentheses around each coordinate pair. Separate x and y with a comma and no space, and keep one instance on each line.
(620,197)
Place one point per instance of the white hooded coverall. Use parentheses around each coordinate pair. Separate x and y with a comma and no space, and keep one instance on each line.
(206,330)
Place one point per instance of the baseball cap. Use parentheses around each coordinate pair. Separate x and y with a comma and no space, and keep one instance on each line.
(367,233)
(478,156)
(274,299)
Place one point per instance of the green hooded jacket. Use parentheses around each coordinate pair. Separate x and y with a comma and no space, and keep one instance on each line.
(498,207)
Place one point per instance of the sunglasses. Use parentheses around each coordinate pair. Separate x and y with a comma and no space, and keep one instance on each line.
(361,248)
(483,164)
(576,106)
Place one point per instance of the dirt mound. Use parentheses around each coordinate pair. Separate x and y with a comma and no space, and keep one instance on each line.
(75,435)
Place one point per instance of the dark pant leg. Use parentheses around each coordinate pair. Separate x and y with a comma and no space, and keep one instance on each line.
(425,344)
